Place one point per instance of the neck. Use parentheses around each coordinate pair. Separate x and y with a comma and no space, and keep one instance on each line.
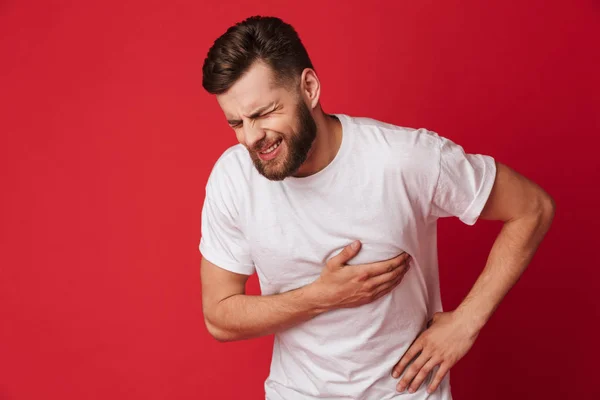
(326,145)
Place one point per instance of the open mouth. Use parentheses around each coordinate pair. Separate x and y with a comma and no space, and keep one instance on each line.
(272,148)
(271,152)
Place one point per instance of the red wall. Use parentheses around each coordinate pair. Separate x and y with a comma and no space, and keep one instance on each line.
(107,139)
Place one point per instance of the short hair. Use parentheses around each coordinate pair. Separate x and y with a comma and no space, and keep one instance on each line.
(266,39)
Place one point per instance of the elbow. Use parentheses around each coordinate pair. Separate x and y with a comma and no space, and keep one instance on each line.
(549,208)
(545,210)
(219,334)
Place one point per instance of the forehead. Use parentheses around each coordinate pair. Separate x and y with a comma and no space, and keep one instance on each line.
(256,88)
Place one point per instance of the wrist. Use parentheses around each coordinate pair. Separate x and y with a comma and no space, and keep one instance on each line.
(314,297)
(470,320)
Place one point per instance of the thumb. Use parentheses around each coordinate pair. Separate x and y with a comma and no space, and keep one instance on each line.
(346,254)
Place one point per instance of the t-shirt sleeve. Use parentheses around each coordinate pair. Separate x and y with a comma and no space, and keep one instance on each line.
(222,241)
(464,183)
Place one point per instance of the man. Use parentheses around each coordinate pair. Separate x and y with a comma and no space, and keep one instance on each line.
(337,216)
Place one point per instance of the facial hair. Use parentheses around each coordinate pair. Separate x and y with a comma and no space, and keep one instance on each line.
(297,145)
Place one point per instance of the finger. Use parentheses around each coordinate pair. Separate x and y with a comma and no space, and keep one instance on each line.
(388,276)
(439,376)
(423,373)
(410,354)
(388,265)
(412,371)
(387,287)
(347,253)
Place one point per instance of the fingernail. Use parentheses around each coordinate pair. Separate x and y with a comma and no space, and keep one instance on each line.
(411,390)
(354,245)
(395,374)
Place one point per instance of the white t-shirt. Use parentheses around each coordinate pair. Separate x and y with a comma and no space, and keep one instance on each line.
(386,186)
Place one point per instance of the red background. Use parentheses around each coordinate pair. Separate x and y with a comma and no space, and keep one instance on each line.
(107,140)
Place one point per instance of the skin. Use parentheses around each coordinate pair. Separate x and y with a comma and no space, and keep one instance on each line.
(262,113)
(527,212)
(231,315)
(524,208)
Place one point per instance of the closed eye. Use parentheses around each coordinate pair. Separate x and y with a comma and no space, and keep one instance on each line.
(234,123)
(261,116)
(252,118)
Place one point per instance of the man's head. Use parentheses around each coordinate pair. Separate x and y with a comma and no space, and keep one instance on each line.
(266,85)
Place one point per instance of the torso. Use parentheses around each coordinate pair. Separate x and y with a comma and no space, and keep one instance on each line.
(293,227)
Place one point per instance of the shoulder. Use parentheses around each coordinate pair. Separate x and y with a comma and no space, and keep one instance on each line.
(394,137)
(229,178)
(232,167)
(410,153)
(411,149)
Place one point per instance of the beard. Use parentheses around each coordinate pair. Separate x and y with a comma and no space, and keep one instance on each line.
(297,147)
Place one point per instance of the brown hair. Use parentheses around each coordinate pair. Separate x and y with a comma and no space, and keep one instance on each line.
(267,39)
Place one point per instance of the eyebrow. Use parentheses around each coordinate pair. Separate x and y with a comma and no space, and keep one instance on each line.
(256,113)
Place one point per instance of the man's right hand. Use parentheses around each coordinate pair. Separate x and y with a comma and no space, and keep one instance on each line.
(343,286)
(230,314)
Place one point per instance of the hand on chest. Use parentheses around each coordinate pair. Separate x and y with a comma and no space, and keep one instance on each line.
(292,239)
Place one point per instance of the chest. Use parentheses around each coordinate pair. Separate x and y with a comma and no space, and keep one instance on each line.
(292,233)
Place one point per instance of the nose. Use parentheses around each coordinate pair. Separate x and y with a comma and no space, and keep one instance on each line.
(253,134)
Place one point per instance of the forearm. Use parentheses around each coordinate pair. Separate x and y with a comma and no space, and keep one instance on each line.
(243,317)
(510,255)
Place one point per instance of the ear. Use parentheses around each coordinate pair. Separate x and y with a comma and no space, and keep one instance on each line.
(310,87)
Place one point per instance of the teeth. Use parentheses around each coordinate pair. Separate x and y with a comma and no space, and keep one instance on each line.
(272,148)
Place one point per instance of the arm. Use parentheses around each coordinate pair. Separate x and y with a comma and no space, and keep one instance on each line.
(527,212)
(230,314)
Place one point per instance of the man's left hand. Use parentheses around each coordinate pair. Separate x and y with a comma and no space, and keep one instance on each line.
(443,343)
